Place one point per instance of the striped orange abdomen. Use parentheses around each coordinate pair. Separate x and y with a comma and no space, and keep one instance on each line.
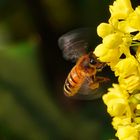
(74,81)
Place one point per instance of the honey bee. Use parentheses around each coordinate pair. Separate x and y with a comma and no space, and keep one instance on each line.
(82,82)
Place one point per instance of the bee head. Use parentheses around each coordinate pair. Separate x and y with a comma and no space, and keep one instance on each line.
(94,62)
(89,64)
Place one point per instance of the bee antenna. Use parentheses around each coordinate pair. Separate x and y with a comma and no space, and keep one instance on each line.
(91,54)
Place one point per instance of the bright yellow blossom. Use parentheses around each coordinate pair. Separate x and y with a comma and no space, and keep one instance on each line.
(138,54)
(117,101)
(104,29)
(127,133)
(129,75)
(123,99)
(127,67)
(125,27)
(121,9)
(130,83)
(134,19)
(138,106)
(109,47)
(137,36)
(120,121)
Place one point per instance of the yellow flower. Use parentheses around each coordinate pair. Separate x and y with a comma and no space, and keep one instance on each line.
(120,121)
(113,46)
(104,29)
(127,133)
(130,83)
(125,46)
(107,56)
(128,72)
(108,51)
(124,26)
(121,9)
(127,67)
(137,36)
(135,99)
(138,54)
(123,99)
(116,101)
(113,40)
(138,106)
(134,19)
(136,120)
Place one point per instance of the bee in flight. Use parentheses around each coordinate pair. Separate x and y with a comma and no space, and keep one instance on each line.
(82,82)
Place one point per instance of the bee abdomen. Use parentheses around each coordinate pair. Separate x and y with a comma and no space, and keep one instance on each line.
(73,82)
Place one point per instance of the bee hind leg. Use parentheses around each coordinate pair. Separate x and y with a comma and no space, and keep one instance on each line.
(96,80)
(94,85)
(100,79)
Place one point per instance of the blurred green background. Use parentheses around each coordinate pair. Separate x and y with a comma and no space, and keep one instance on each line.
(33,71)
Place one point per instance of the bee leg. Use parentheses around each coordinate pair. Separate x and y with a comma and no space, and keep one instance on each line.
(100,79)
(94,85)
(96,80)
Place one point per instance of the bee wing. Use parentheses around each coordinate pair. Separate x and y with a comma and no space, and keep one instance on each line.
(87,93)
(74,43)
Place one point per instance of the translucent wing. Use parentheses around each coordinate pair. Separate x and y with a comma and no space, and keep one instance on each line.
(87,93)
(74,43)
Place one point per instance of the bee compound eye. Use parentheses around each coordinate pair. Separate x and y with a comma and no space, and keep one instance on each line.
(92,61)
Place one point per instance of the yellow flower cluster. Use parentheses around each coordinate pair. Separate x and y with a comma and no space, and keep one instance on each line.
(119,35)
